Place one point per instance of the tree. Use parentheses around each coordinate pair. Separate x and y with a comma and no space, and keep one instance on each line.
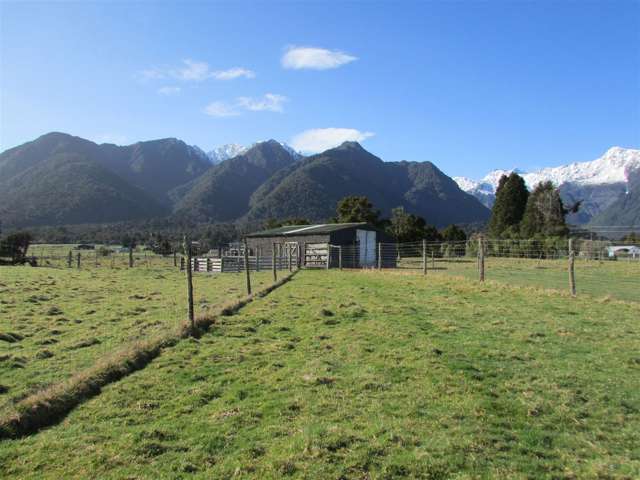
(16,246)
(453,233)
(407,227)
(631,238)
(544,214)
(510,204)
(273,223)
(354,209)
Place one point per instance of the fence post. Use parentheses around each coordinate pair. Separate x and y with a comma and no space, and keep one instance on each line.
(290,258)
(258,259)
(246,266)
(340,257)
(273,264)
(572,275)
(304,254)
(96,259)
(78,260)
(175,259)
(424,257)
(130,257)
(328,255)
(481,257)
(70,259)
(379,255)
(187,249)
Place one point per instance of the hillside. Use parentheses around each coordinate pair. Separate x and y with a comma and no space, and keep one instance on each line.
(69,188)
(313,188)
(223,193)
(625,211)
(61,179)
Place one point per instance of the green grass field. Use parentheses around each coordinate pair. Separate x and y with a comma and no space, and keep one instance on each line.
(369,375)
(54,322)
(619,280)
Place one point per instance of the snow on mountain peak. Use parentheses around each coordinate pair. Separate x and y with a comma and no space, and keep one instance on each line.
(225,152)
(613,167)
(230,150)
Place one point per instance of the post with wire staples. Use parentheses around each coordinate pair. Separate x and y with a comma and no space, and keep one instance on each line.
(340,257)
(379,255)
(481,257)
(273,263)
(246,266)
(187,251)
(572,274)
(328,256)
(424,257)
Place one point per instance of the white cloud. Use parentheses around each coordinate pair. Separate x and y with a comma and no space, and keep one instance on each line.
(169,91)
(221,109)
(270,101)
(194,71)
(233,73)
(321,139)
(297,58)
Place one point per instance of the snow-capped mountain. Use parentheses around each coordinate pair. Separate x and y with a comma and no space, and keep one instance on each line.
(597,183)
(225,152)
(230,150)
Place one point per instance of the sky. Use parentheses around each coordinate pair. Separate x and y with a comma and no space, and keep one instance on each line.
(470,86)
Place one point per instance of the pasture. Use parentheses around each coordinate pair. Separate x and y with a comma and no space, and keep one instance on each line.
(352,374)
(54,322)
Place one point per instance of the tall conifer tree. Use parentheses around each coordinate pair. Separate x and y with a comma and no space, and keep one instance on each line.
(508,209)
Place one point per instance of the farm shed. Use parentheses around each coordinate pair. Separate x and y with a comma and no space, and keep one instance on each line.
(350,245)
(630,251)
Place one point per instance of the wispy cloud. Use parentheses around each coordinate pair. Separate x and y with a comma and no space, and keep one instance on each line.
(232,73)
(321,139)
(194,71)
(270,102)
(221,109)
(313,58)
(169,90)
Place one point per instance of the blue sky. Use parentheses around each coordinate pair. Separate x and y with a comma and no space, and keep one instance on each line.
(470,86)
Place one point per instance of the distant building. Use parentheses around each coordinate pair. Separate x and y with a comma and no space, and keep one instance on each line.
(351,244)
(615,251)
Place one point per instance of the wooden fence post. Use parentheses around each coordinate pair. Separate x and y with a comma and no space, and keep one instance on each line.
(340,257)
(424,257)
(175,259)
(328,256)
(130,256)
(187,249)
(572,275)
(273,264)
(96,258)
(246,266)
(481,257)
(258,259)
(379,255)
(70,259)
(78,260)
(304,254)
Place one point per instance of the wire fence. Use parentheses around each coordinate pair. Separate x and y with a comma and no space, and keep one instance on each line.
(609,269)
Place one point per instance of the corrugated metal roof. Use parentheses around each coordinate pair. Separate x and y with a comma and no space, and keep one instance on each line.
(298,230)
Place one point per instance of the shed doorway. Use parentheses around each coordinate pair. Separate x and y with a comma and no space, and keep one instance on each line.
(367,244)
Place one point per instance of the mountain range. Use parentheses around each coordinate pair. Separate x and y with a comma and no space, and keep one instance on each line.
(60,179)
(606,187)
